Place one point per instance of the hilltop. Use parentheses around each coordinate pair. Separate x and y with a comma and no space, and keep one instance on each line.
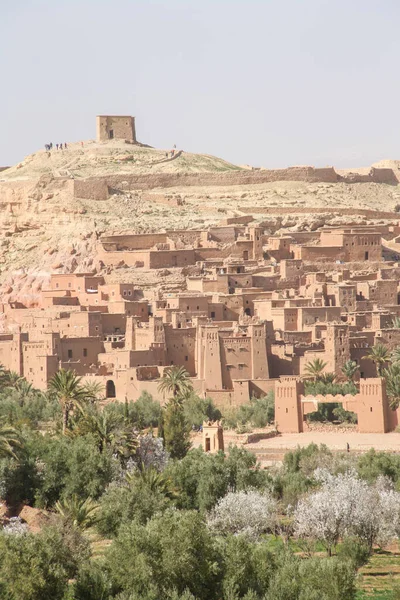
(102,158)
(47,227)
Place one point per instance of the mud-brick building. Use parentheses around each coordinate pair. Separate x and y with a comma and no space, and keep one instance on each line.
(109,127)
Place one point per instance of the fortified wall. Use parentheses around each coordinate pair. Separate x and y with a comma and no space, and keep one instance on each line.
(370,404)
(89,186)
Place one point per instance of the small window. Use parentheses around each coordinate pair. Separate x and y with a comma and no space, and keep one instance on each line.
(213,314)
(69,353)
(85,352)
(129,293)
(186,358)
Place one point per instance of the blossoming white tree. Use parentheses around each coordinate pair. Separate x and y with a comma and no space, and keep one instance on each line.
(346,505)
(250,513)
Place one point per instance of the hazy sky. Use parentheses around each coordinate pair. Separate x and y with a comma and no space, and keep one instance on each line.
(264,82)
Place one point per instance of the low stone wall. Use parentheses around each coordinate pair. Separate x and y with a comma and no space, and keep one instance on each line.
(363,212)
(252,438)
(91,189)
(228,178)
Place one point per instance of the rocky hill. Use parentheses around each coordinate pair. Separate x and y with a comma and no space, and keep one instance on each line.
(46,227)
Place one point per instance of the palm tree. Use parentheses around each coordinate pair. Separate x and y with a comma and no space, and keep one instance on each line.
(392,376)
(396,323)
(314,368)
(395,356)
(349,369)
(67,386)
(3,377)
(94,390)
(380,355)
(154,480)
(81,513)
(9,440)
(175,381)
(12,379)
(102,425)
(327,377)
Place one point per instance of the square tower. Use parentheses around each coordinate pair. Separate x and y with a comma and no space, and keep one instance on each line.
(111,127)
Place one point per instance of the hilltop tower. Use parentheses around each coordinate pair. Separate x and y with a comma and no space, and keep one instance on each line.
(111,127)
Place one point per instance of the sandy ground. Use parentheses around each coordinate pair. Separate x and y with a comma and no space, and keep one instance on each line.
(335,441)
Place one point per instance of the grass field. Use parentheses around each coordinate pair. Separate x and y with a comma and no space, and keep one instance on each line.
(379,579)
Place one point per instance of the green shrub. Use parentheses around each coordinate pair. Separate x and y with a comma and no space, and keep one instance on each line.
(355,551)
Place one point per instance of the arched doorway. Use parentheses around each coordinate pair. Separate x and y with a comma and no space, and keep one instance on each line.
(110,389)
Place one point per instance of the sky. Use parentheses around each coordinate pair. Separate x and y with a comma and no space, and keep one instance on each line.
(269,83)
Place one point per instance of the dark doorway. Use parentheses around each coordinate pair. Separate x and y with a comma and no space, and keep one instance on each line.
(366,256)
(110,389)
(208,444)
(245,255)
(247,312)
(111,134)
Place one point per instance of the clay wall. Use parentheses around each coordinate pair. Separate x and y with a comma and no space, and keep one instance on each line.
(79,282)
(341,295)
(297,337)
(75,324)
(191,305)
(364,212)
(233,177)
(389,338)
(224,235)
(116,291)
(308,316)
(288,416)
(90,189)
(291,268)
(244,220)
(171,258)
(11,356)
(317,253)
(136,258)
(241,280)
(207,253)
(39,368)
(113,323)
(235,355)
(189,237)
(363,247)
(233,306)
(181,347)
(134,308)
(140,241)
(82,350)
(165,199)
